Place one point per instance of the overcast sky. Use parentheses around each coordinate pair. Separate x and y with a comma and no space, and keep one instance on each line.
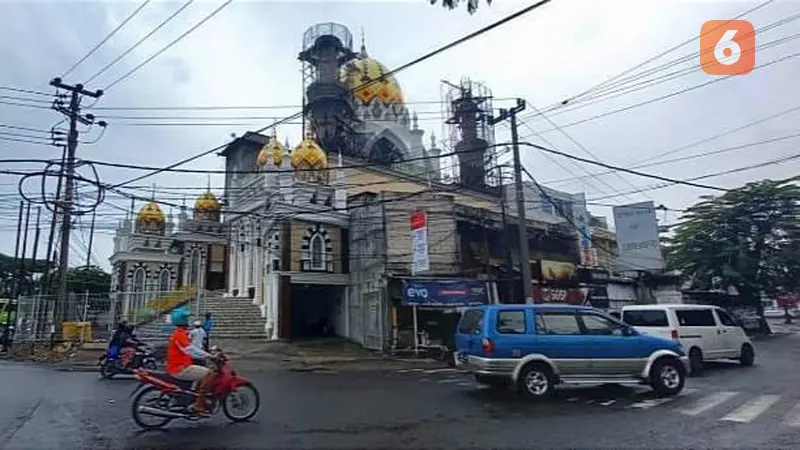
(247,56)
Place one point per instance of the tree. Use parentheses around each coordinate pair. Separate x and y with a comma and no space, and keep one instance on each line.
(83,279)
(746,238)
(472,5)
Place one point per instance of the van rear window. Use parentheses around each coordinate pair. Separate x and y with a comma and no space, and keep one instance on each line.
(646,318)
(471,322)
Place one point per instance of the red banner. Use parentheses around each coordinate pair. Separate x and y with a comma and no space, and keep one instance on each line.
(571,296)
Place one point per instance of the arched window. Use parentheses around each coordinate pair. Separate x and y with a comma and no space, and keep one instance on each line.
(317,252)
(163,280)
(139,279)
(194,271)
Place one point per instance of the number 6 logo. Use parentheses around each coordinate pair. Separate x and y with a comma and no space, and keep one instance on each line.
(727,47)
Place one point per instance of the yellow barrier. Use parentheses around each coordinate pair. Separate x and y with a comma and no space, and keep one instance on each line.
(77,331)
(170,301)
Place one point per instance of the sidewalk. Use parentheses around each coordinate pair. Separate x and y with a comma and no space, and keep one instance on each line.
(778,326)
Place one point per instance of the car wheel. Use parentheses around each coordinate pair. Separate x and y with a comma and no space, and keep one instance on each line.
(696,361)
(667,377)
(536,380)
(748,355)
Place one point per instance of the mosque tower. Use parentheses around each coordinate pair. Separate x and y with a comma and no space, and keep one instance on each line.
(471,135)
(327,111)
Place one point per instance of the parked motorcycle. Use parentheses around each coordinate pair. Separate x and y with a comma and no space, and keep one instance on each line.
(111,365)
(163,398)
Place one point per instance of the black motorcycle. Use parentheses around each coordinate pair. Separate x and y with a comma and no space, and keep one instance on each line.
(143,358)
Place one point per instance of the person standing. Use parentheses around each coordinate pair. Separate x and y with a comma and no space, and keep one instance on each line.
(197,340)
(208,324)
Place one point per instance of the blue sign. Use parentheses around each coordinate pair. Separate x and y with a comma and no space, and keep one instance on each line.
(448,294)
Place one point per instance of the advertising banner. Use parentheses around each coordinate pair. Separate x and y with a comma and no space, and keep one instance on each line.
(638,245)
(571,296)
(444,293)
(420,260)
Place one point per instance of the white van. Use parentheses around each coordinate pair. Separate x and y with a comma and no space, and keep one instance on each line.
(706,332)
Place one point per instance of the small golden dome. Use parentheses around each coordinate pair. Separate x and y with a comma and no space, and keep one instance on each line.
(151,213)
(364,69)
(274,150)
(310,161)
(207,203)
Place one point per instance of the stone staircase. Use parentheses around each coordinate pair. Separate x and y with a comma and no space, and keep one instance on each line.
(235,317)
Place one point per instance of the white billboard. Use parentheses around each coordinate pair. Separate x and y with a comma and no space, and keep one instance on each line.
(638,246)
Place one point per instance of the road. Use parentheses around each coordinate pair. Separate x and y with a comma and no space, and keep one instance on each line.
(728,407)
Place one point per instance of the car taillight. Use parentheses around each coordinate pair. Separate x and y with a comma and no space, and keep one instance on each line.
(488,346)
(675,334)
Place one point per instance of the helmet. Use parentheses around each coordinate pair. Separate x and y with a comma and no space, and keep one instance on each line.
(180,317)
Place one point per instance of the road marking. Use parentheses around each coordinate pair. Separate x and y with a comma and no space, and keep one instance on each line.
(794,417)
(441,370)
(465,383)
(404,370)
(608,402)
(708,402)
(650,403)
(752,409)
(450,380)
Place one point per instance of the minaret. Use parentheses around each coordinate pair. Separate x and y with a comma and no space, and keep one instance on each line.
(327,108)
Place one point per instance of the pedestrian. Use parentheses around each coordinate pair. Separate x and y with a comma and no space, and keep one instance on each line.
(208,324)
(197,339)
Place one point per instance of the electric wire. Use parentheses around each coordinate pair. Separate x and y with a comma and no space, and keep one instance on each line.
(139,42)
(383,76)
(109,36)
(168,46)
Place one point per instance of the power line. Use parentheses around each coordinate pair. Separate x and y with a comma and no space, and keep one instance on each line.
(109,36)
(622,169)
(139,42)
(25,91)
(686,158)
(672,94)
(243,107)
(710,175)
(383,76)
(168,46)
(665,52)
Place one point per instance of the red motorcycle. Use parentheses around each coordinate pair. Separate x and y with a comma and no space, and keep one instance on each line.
(161,397)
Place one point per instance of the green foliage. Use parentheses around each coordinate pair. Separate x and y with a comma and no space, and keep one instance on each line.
(82,279)
(472,5)
(746,238)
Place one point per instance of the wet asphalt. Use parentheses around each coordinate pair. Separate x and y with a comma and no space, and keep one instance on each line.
(727,407)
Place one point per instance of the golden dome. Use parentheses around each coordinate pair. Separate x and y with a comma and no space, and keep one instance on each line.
(272,149)
(363,70)
(207,203)
(310,161)
(151,213)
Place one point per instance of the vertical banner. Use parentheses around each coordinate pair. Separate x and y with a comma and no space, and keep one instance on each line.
(638,244)
(420,261)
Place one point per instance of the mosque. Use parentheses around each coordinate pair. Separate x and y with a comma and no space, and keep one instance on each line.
(316,234)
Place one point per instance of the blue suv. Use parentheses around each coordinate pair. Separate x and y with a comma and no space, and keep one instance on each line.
(536,347)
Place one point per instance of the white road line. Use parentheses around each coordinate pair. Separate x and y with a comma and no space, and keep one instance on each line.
(752,409)
(708,402)
(608,402)
(793,419)
(650,403)
(441,370)
(450,380)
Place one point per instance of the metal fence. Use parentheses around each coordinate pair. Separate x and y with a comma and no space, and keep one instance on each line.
(93,317)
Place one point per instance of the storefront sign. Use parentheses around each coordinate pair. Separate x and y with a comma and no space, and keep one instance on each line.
(420,260)
(444,293)
(571,296)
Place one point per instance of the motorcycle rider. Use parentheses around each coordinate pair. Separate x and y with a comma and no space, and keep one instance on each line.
(180,354)
(121,343)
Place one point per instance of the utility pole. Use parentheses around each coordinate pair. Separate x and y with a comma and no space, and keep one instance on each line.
(91,240)
(24,253)
(73,113)
(524,250)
